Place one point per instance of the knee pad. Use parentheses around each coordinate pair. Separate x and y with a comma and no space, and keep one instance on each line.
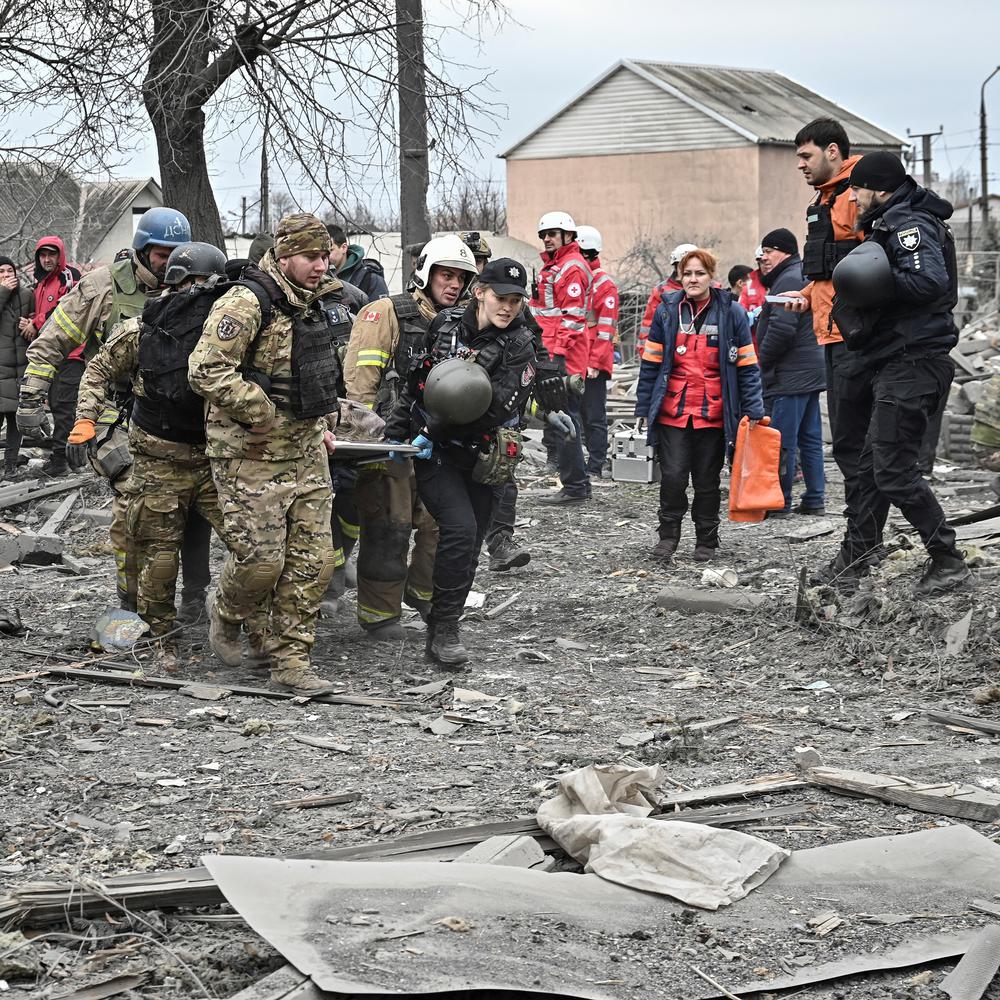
(162,566)
(255,580)
(382,553)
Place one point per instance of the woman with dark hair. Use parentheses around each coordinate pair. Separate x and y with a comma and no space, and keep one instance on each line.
(698,377)
(16,306)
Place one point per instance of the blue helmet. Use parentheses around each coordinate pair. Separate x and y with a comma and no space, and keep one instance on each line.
(162,227)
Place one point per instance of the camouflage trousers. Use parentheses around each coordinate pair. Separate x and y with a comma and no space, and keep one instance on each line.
(276,518)
(388,510)
(122,545)
(164,491)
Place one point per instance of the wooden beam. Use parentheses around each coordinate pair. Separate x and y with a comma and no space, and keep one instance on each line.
(946,798)
(764,785)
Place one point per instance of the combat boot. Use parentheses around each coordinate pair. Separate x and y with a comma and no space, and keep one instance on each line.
(224,638)
(942,573)
(445,647)
(507,554)
(419,604)
(664,549)
(55,464)
(192,607)
(302,681)
(257,656)
(386,632)
(839,574)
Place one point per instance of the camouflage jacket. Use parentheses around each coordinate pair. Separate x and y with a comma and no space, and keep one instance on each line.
(79,318)
(236,405)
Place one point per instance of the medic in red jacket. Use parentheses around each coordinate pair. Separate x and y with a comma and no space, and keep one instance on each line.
(752,296)
(672,284)
(563,293)
(602,319)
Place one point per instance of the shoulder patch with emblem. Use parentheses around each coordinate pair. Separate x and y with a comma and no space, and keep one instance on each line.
(527,375)
(733,354)
(228,328)
(574,289)
(909,239)
(372,316)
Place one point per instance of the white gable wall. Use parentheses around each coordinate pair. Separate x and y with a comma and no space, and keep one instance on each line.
(626,114)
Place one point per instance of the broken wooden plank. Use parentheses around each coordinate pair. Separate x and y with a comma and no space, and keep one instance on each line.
(57,518)
(317,801)
(696,601)
(32,489)
(951,719)
(975,516)
(942,798)
(117,675)
(502,606)
(764,785)
(99,516)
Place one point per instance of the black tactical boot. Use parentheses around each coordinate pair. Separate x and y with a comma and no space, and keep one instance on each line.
(55,464)
(192,607)
(664,549)
(444,645)
(507,554)
(839,574)
(941,574)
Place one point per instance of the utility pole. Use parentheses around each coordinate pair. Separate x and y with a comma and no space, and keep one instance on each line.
(265,210)
(984,188)
(243,216)
(414,168)
(925,150)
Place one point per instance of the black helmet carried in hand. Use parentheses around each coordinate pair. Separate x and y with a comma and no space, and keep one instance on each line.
(194,260)
(457,391)
(863,279)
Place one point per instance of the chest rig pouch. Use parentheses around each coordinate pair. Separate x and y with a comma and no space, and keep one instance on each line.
(311,390)
(822,253)
(412,329)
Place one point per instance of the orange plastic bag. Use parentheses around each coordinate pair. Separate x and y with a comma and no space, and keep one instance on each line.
(754,486)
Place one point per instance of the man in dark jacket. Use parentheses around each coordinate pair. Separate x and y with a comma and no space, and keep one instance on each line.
(904,341)
(793,372)
(348,262)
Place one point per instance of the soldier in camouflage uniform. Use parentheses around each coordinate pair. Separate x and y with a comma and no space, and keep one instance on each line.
(86,316)
(170,475)
(386,336)
(270,381)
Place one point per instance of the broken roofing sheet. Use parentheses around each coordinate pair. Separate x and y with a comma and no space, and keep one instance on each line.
(418,927)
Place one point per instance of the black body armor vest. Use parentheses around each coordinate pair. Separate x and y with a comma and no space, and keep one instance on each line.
(822,253)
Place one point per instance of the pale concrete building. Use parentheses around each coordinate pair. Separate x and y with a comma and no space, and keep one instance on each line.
(655,154)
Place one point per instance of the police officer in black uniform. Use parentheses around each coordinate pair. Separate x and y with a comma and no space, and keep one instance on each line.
(895,295)
(465,418)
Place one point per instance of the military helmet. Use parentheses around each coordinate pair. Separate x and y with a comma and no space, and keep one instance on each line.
(863,279)
(477,244)
(444,251)
(457,391)
(161,227)
(194,260)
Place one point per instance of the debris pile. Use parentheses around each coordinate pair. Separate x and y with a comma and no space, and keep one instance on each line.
(977,359)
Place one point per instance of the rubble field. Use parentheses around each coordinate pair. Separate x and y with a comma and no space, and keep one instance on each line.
(574,662)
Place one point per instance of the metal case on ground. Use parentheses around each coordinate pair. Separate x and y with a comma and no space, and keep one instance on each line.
(632,460)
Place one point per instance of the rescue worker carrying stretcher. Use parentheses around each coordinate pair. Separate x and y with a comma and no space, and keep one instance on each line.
(462,406)
(386,338)
(171,476)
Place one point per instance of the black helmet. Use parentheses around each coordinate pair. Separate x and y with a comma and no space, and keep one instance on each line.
(194,260)
(863,279)
(457,391)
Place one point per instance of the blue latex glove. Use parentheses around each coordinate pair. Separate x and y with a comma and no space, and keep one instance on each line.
(425,444)
(395,455)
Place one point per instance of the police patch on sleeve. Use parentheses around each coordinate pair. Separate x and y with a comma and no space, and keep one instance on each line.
(733,354)
(909,239)
(228,328)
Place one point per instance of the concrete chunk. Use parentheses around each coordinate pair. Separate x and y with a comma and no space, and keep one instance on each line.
(511,851)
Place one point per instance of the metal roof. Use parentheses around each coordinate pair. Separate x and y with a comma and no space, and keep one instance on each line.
(759,106)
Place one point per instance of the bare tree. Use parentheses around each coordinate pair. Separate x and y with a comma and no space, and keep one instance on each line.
(471,204)
(647,261)
(98,73)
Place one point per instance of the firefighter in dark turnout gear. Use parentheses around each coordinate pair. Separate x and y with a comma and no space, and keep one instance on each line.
(465,454)
(388,334)
(903,340)
(170,475)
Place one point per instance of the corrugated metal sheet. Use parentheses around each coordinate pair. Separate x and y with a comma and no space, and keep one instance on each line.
(643,107)
(763,102)
(625,113)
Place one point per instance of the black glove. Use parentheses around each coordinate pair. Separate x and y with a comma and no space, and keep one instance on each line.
(550,384)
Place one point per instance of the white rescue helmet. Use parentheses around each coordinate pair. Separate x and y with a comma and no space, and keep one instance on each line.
(758,254)
(444,251)
(589,238)
(557,220)
(677,254)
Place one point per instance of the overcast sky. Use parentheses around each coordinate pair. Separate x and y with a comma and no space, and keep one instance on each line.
(916,65)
